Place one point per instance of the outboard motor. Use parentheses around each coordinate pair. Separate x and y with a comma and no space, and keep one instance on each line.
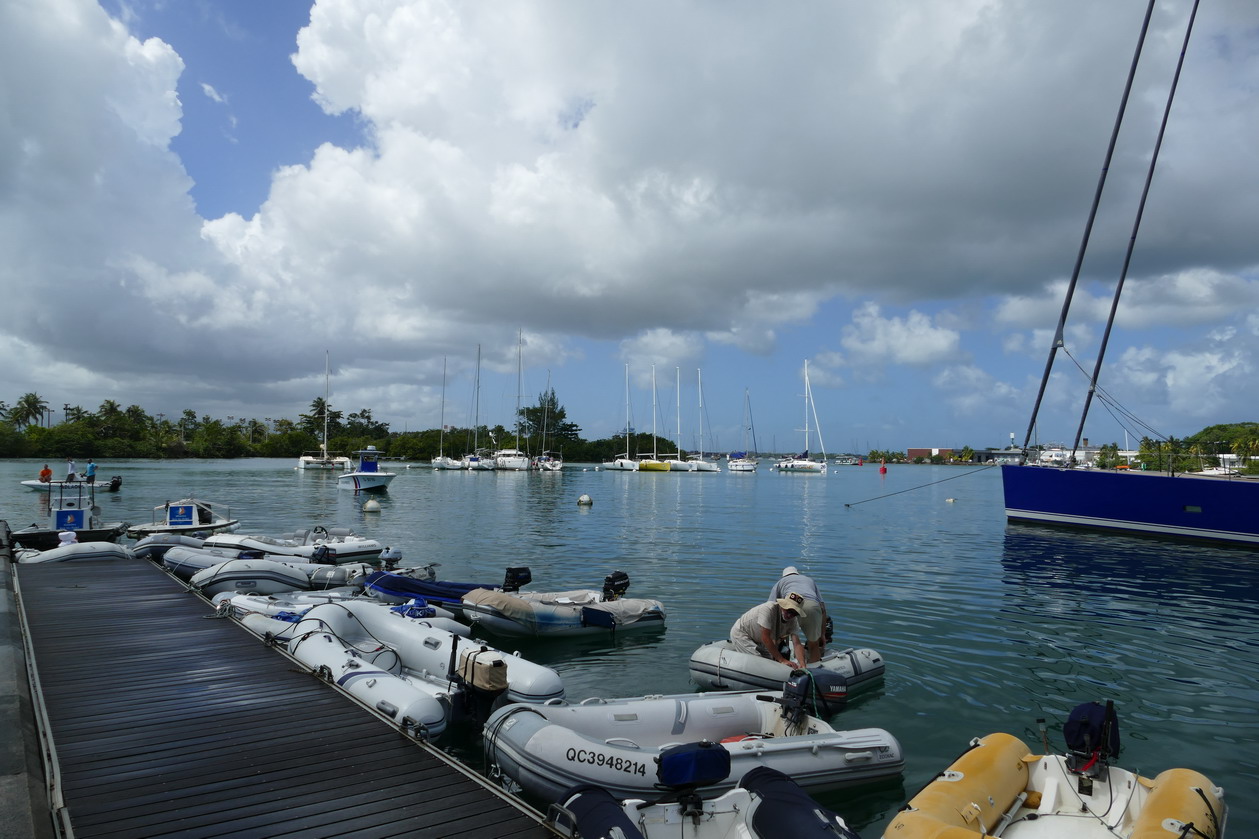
(390,558)
(482,673)
(515,578)
(323,555)
(615,585)
(114,483)
(1092,735)
(684,768)
(814,692)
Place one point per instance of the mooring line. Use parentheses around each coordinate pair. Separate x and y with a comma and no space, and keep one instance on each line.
(921,486)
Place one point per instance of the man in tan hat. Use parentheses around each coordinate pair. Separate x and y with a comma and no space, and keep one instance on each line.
(813,620)
(761,629)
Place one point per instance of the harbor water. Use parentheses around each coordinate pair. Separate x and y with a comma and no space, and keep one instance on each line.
(984,626)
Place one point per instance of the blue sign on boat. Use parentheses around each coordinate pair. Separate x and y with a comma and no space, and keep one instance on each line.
(181,514)
(69,519)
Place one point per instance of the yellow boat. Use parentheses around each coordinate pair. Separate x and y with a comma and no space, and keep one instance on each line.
(998,788)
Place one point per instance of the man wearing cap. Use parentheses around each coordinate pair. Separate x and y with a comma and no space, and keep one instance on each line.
(813,620)
(762,628)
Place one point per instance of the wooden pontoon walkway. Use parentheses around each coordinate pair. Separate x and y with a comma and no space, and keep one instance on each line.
(169,722)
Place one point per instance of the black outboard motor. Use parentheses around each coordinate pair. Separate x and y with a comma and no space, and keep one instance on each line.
(817,692)
(1092,735)
(515,578)
(114,483)
(784,809)
(323,555)
(615,585)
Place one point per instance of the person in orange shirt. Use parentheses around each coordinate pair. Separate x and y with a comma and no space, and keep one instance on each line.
(45,474)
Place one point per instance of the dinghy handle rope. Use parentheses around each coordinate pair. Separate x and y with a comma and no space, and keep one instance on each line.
(1215,817)
(923,486)
(489,749)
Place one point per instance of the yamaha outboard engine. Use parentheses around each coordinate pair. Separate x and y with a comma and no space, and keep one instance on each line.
(515,578)
(816,692)
(1092,735)
(114,483)
(615,585)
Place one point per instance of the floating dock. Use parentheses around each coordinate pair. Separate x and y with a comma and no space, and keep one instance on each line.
(154,718)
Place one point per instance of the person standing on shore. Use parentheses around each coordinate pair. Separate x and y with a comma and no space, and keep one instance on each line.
(90,474)
(813,619)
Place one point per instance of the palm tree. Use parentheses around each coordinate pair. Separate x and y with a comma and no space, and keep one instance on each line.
(29,409)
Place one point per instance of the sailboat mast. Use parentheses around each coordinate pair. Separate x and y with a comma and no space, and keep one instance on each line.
(806,409)
(476,403)
(699,385)
(677,382)
(327,392)
(1059,340)
(520,371)
(441,444)
(653,412)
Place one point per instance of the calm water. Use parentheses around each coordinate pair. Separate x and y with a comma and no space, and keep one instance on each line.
(985,627)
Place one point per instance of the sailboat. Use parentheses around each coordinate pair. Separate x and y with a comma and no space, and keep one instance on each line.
(548,461)
(515,460)
(323,459)
(1218,509)
(444,461)
(653,463)
(675,460)
(624,462)
(697,461)
(745,461)
(802,462)
(478,460)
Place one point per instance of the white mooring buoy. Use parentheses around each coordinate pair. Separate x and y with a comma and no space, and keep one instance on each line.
(585,501)
(371,505)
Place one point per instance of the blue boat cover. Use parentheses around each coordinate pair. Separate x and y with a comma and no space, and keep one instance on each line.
(598,815)
(436,591)
(787,810)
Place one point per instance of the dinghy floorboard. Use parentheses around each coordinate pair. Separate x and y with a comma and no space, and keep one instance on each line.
(168,723)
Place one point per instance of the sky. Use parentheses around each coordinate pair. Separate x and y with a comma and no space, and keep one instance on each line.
(202,202)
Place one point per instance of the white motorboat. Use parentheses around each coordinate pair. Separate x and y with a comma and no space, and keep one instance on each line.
(188,516)
(336,545)
(837,675)
(997,787)
(368,477)
(112,485)
(417,674)
(545,750)
(511,460)
(73,508)
(155,547)
(765,805)
(185,560)
(563,613)
(292,606)
(75,551)
(265,576)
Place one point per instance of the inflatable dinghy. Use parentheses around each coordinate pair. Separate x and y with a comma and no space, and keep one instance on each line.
(839,673)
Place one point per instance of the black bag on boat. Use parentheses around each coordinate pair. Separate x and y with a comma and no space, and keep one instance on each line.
(1092,727)
(596,813)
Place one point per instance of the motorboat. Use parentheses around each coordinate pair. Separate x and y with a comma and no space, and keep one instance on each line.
(998,787)
(155,547)
(73,507)
(563,613)
(187,516)
(112,485)
(75,551)
(184,561)
(367,477)
(405,584)
(740,462)
(717,665)
(391,662)
(335,545)
(766,804)
(257,575)
(545,750)
(292,606)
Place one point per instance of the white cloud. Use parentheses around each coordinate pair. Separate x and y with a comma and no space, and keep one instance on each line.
(913,340)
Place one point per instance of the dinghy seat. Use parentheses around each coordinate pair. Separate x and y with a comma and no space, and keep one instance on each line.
(1092,735)
(787,810)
